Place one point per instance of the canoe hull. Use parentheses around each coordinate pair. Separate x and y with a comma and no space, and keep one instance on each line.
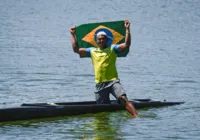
(44,110)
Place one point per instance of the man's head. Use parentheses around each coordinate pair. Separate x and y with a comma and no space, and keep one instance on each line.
(101,39)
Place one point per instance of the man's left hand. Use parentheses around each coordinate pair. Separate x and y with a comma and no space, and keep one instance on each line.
(126,23)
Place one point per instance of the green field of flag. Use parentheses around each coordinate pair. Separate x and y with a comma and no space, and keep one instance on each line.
(116,31)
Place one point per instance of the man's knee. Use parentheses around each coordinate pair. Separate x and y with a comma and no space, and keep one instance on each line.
(123,99)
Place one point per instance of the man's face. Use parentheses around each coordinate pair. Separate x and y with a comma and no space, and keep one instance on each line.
(101,40)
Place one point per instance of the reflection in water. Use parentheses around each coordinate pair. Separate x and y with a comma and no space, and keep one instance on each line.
(100,126)
(104,126)
(108,126)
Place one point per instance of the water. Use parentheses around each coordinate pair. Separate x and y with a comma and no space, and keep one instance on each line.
(37,65)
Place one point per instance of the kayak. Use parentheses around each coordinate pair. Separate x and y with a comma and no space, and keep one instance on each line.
(29,111)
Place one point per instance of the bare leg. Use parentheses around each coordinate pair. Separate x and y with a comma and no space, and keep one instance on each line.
(129,106)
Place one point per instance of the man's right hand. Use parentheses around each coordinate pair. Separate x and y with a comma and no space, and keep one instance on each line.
(72,30)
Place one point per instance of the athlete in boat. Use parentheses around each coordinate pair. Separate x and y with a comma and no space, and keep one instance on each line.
(104,63)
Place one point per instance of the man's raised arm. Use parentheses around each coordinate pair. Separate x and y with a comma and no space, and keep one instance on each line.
(75,47)
(127,42)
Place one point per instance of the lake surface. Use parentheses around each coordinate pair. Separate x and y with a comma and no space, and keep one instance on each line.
(37,64)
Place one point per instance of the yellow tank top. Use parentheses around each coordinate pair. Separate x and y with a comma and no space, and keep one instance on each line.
(104,63)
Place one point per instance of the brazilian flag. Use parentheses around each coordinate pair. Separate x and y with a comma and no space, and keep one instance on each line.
(115,30)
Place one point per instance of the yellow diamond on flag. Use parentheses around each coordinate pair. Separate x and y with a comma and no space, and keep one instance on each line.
(90,37)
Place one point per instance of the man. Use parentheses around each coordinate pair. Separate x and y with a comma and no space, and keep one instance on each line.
(104,63)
